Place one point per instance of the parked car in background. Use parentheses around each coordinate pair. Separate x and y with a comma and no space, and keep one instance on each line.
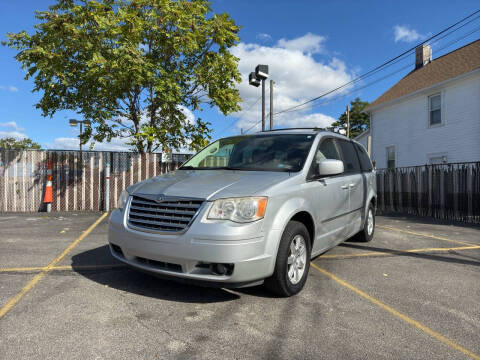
(249,209)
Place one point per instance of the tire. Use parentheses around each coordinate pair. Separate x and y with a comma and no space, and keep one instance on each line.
(285,281)
(366,234)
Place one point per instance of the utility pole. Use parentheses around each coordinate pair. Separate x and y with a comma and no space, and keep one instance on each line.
(74,123)
(81,132)
(254,79)
(263,105)
(271,105)
(348,121)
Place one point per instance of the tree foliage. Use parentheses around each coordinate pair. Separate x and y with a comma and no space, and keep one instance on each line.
(133,67)
(18,144)
(359,121)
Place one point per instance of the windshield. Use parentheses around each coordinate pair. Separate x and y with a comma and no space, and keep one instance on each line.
(282,152)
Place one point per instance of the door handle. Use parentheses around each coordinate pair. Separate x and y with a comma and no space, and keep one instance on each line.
(352,185)
(345,187)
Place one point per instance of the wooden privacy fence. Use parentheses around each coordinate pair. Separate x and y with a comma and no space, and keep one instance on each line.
(78,177)
(445,191)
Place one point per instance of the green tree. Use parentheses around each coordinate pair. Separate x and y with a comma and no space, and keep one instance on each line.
(12,143)
(359,121)
(132,67)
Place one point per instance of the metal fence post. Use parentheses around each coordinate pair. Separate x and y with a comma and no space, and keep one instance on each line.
(107,186)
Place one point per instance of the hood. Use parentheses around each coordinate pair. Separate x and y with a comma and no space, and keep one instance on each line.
(209,184)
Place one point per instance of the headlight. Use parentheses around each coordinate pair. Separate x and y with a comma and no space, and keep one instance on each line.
(122,199)
(242,210)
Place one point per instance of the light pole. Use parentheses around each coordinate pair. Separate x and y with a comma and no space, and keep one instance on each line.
(254,79)
(74,122)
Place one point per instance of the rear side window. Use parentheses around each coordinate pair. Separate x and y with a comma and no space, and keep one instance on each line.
(349,156)
(365,162)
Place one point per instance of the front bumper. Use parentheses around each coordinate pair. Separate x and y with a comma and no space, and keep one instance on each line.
(193,254)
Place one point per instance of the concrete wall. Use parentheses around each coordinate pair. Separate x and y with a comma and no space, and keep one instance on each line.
(405,125)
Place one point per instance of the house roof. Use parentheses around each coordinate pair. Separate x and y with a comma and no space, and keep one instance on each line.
(359,136)
(446,67)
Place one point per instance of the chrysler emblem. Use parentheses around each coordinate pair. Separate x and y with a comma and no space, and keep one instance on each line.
(160,198)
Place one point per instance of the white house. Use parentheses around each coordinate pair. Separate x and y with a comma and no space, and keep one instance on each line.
(365,139)
(432,115)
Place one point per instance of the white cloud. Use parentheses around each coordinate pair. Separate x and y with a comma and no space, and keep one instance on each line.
(14,134)
(406,34)
(11,129)
(10,88)
(72,143)
(190,117)
(11,125)
(308,43)
(264,37)
(298,77)
(117,144)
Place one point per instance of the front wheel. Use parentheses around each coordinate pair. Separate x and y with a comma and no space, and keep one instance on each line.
(366,234)
(293,261)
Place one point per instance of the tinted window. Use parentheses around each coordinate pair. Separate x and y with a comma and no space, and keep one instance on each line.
(282,152)
(349,156)
(326,150)
(365,162)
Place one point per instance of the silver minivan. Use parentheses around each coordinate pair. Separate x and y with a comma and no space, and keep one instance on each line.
(249,209)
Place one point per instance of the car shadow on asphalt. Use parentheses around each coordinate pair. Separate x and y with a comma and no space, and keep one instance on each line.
(125,278)
(426,220)
(415,255)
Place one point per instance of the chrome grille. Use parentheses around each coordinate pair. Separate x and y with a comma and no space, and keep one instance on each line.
(170,215)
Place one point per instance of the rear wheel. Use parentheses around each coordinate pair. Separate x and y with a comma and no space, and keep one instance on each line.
(293,261)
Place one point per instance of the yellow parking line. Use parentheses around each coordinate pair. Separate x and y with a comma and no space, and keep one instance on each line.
(325,256)
(22,269)
(62,267)
(13,301)
(87,267)
(397,252)
(397,314)
(424,235)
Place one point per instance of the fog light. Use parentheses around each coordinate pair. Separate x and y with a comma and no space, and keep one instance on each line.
(222,269)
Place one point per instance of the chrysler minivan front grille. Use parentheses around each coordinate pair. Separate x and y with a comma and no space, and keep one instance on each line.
(168,215)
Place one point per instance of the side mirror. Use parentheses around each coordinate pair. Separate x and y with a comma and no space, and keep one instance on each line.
(330,167)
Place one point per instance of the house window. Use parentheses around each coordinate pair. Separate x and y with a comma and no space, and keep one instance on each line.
(391,157)
(437,159)
(435,102)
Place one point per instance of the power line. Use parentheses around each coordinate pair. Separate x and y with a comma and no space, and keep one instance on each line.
(376,80)
(380,66)
(241,112)
(251,127)
(395,72)
(345,94)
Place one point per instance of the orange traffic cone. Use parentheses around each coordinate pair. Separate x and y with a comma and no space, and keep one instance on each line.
(48,198)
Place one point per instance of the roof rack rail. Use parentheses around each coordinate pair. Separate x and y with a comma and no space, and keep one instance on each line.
(331,129)
(300,128)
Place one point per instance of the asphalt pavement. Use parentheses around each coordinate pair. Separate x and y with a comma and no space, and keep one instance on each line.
(411,293)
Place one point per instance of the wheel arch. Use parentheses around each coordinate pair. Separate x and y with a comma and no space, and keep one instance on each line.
(306,219)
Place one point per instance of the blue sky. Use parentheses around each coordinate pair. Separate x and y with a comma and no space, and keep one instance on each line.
(310,45)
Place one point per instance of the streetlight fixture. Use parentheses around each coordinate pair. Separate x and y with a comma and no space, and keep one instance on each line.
(254,79)
(75,122)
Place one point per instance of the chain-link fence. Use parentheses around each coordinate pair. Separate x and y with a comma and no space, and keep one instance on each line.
(445,191)
(78,177)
